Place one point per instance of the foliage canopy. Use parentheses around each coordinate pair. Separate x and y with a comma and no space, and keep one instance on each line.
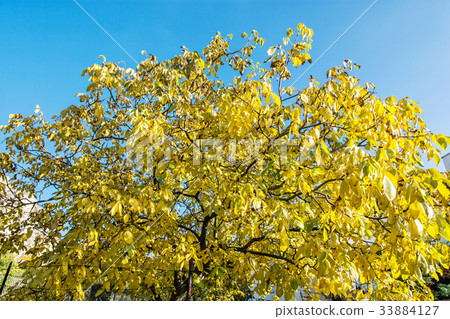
(262,184)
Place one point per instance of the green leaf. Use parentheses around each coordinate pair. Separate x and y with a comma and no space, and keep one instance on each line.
(321,257)
(321,270)
(99,292)
(310,224)
(279,291)
(220,271)
(199,264)
(294,284)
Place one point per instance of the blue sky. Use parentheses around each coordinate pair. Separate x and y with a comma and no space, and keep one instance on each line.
(403,46)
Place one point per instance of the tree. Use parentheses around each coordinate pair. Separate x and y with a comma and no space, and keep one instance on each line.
(260,183)
(14,272)
(441,286)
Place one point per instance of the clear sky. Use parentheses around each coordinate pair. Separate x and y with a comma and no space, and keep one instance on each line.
(403,46)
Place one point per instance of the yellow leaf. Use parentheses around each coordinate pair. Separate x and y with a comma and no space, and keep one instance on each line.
(284,245)
(201,63)
(443,190)
(93,237)
(276,99)
(116,208)
(296,61)
(134,203)
(166,194)
(444,230)
(415,209)
(325,235)
(427,209)
(295,115)
(389,188)
(413,229)
(433,230)
(271,50)
(128,237)
(307,57)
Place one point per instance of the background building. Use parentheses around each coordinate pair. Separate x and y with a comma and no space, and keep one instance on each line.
(446,159)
